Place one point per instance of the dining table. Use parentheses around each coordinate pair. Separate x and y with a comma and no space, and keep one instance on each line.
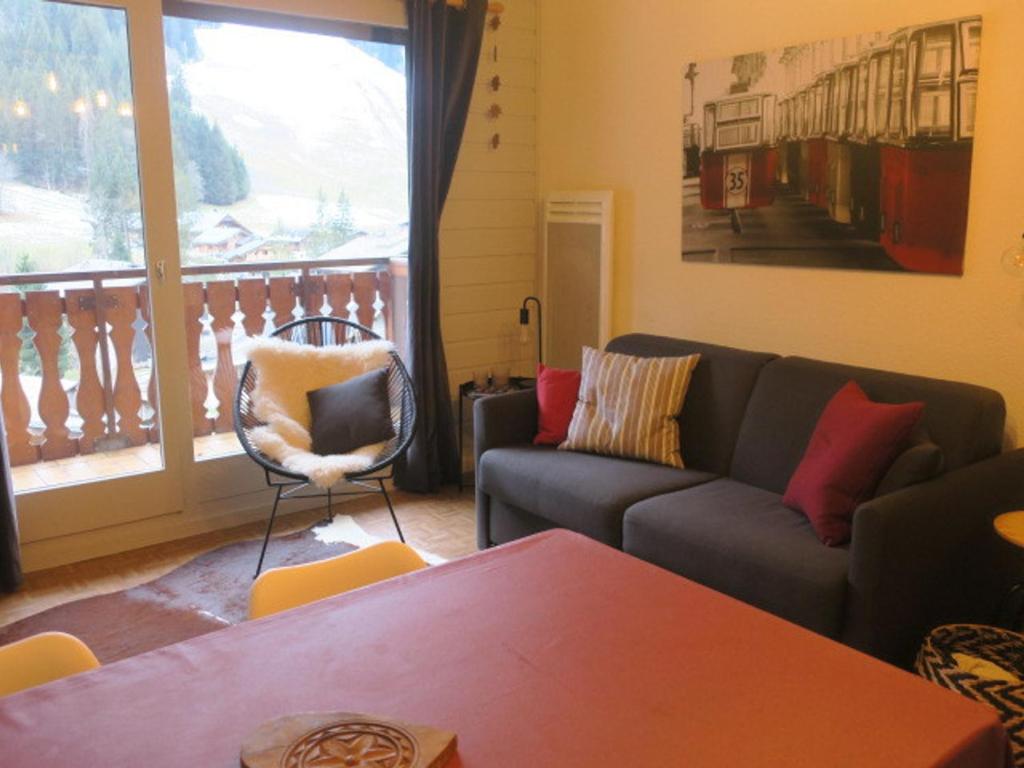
(552,650)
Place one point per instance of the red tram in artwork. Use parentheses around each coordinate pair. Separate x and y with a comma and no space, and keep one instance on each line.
(926,161)
(882,142)
(738,162)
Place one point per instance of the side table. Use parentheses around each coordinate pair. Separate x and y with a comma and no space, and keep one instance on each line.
(469,391)
(1010,527)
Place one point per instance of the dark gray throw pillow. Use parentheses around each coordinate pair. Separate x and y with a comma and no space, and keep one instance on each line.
(921,462)
(351,414)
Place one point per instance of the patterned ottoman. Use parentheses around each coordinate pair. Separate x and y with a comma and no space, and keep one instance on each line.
(983,663)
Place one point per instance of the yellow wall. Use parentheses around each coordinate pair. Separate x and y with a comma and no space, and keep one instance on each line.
(609,117)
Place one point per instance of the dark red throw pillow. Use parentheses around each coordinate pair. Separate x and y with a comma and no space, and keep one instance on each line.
(557,392)
(853,445)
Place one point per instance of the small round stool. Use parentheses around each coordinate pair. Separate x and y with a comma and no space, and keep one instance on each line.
(1002,647)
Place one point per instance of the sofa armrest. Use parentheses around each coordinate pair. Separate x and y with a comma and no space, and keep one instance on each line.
(509,419)
(927,555)
(499,420)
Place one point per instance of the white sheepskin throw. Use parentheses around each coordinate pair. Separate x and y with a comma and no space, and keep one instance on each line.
(285,372)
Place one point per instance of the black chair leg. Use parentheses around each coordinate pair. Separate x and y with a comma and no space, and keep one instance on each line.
(330,511)
(391,509)
(270,527)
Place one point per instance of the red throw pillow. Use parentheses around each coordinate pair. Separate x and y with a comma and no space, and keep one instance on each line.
(557,392)
(853,445)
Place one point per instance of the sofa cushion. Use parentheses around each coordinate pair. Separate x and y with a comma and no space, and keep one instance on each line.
(855,441)
(921,462)
(964,420)
(557,392)
(351,414)
(579,491)
(629,406)
(716,399)
(744,542)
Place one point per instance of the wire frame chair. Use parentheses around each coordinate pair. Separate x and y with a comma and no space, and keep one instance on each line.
(325,332)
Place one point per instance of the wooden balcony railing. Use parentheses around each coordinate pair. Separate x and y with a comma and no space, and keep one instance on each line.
(103,317)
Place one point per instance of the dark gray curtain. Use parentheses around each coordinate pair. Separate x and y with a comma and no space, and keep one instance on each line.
(10,558)
(444,46)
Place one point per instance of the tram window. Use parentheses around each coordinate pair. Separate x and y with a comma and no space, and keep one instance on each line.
(826,103)
(737,110)
(936,55)
(738,135)
(709,124)
(816,126)
(933,111)
(899,74)
(970,41)
(861,113)
(968,100)
(882,78)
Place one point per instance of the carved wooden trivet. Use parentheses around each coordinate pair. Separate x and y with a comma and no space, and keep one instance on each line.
(346,740)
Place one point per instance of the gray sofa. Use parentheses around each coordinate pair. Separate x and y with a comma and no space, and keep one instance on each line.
(919,556)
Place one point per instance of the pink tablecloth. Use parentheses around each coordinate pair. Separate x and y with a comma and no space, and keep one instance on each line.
(551,651)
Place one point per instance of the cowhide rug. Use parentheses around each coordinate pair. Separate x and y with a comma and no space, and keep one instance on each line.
(205,594)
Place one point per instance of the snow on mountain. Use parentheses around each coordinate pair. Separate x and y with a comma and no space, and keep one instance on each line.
(308,112)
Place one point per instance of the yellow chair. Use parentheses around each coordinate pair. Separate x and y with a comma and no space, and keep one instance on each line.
(42,658)
(282,588)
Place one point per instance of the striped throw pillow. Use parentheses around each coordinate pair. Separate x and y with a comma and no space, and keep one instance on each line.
(628,406)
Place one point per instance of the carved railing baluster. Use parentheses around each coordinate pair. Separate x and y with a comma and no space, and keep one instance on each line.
(45,313)
(121,304)
(90,401)
(252,301)
(195,303)
(282,299)
(312,288)
(17,412)
(152,395)
(220,299)
(339,293)
(384,290)
(365,289)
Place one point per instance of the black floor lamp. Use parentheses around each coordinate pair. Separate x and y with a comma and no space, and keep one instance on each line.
(524,321)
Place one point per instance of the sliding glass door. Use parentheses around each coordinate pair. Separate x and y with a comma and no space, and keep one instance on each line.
(88,257)
(169,185)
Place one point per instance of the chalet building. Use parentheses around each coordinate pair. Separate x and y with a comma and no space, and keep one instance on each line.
(221,235)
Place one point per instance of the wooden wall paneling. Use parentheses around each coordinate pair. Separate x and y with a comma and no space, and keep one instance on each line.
(489,228)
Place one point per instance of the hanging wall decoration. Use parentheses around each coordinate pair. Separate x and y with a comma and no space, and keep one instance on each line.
(849,153)
(494,84)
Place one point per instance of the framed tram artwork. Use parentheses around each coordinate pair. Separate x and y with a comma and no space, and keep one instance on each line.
(849,153)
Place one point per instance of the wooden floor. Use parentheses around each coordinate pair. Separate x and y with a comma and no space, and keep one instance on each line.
(443,524)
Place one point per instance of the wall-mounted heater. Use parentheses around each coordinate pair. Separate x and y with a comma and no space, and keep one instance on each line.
(576,279)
